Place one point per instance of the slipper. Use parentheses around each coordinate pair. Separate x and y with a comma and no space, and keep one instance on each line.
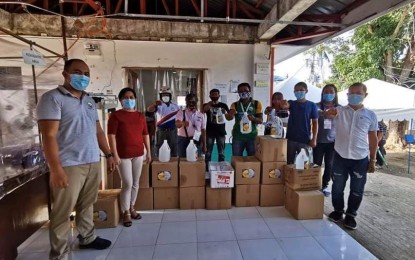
(135,214)
(127,219)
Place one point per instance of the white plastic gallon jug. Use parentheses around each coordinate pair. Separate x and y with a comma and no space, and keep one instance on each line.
(219,117)
(191,152)
(245,124)
(164,152)
(300,159)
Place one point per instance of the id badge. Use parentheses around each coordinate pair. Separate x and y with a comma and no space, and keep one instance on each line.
(196,135)
(327,123)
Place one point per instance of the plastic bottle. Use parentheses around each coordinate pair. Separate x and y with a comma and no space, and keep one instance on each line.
(310,157)
(245,124)
(277,128)
(219,117)
(191,152)
(300,159)
(164,152)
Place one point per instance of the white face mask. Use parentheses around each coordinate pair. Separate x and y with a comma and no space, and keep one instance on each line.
(165,99)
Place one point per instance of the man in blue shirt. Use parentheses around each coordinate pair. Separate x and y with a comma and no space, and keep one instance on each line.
(302,124)
(72,138)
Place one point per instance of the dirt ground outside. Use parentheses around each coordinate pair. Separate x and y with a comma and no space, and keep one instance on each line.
(397,161)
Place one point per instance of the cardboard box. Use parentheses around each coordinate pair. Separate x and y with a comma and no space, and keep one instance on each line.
(272,172)
(116,181)
(166,198)
(247,170)
(106,209)
(192,197)
(110,180)
(304,204)
(221,175)
(247,195)
(144,199)
(165,174)
(269,149)
(271,195)
(192,174)
(218,198)
(307,179)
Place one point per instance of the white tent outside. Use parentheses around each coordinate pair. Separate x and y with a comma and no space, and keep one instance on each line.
(387,100)
(286,87)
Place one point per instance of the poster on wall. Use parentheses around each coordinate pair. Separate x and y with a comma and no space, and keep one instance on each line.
(261,83)
(234,86)
(262,68)
(222,87)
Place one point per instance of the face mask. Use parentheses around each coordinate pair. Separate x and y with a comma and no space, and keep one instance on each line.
(165,99)
(328,97)
(299,94)
(355,99)
(245,95)
(214,98)
(79,82)
(128,103)
(191,106)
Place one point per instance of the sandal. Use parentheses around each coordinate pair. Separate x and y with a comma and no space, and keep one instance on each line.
(134,214)
(127,219)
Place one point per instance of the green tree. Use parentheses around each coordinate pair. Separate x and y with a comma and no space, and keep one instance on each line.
(383,48)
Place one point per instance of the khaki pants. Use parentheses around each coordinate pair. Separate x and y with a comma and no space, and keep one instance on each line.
(81,194)
(130,172)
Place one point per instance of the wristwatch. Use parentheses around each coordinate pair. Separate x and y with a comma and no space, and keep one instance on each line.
(109,155)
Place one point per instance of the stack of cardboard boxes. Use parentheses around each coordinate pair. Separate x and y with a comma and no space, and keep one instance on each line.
(165,181)
(273,156)
(303,198)
(219,189)
(247,175)
(192,184)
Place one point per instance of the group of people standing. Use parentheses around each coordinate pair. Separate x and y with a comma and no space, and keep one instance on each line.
(72,139)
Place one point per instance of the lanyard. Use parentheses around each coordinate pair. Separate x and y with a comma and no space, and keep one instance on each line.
(247,109)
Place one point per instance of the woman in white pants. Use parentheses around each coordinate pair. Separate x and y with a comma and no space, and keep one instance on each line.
(127,134)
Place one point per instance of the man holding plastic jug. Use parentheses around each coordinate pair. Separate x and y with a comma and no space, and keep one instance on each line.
(248,114)
(72,138)
(191,125)
(166,112)
(355,153)
(216,112)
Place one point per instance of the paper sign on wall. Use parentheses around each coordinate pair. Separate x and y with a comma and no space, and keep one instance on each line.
(222,87)
(261,83)
(262,68)
(33,58)
(234,86)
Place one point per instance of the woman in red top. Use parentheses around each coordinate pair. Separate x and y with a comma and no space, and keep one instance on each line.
(127,134)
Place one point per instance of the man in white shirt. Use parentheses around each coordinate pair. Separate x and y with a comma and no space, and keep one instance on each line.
(166,129)
(355,147)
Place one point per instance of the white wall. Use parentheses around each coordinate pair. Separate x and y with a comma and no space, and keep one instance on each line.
(224,62)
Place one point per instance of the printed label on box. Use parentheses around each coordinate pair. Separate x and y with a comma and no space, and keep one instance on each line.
(275,174)
(223,179)
(248,173)
(164,176)
(100,215)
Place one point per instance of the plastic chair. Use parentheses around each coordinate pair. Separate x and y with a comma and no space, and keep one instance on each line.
(410,140)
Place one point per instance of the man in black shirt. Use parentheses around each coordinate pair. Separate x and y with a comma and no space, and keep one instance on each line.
(216,113)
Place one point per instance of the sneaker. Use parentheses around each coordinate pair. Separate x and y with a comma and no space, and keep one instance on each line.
(98,243)
(350,222)
(326,191)
(336,216)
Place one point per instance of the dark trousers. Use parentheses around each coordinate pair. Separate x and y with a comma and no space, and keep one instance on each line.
(342,168)
(220,144)
(238,147)
(326,151)
(382,150)
(183,142)
(169,134)
(294,148)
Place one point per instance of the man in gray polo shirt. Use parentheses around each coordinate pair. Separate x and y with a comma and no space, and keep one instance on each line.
(72,138)
(355,153)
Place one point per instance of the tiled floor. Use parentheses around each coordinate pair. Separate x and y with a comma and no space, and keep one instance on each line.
(238,233)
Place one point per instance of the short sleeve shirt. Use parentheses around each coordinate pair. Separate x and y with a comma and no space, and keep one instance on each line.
(212,127)
(166,115)
(299,122)
(77,133)
(253,108)
(196,119)
(352,129)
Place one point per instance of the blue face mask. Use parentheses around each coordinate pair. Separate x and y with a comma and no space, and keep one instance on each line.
(299,94)
(79,82)
(355,99)
(128,103)
(328,97)
(245,95)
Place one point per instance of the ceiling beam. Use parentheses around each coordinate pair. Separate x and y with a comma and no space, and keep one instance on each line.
(118,7)
(251,8)
(143,8)
(284,10)
(205,8)
(166,7)
(197,9)
(20,7)
(108,6)
(234,8)
(177,7)
(305,36)
(259,3)
(246,11)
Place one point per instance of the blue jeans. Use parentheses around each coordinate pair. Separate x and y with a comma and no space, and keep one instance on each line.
(342,168)
(326,151)
(220,144)
(238,147)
